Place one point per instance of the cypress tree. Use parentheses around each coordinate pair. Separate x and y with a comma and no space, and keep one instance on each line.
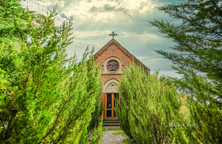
(94,123)
(47,102)
(150,106)
(198,42)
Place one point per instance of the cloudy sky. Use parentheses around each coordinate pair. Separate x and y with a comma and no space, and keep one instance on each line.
(96,19)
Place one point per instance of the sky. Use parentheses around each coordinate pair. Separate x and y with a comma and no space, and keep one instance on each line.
(94,20)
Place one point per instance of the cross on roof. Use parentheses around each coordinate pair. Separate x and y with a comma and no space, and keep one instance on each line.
(113,34)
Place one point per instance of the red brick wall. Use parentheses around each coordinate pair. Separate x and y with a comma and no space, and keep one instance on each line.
(105,78)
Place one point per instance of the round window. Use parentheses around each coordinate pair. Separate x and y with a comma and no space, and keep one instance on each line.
(112,65)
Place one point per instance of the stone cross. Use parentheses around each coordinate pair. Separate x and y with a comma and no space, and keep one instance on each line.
(113,34)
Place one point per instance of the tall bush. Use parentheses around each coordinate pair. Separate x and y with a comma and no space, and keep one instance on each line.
(41,99)
(149,106)
(94,123)
(198,57)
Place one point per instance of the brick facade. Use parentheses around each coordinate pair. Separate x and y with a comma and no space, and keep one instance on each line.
(113,51)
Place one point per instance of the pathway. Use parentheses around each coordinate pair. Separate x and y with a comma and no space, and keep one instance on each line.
(109,137)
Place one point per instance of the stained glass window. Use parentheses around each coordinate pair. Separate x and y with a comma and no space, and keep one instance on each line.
(112,65)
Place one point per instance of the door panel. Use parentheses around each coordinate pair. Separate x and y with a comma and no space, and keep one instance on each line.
(109,105)
(109,113)
(109,101)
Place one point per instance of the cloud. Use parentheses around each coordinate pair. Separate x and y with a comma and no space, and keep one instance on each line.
(89,34)
(108,8)
(97,9)
(96,19)
(142,57)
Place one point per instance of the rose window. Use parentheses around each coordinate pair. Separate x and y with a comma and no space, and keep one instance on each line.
(112,65)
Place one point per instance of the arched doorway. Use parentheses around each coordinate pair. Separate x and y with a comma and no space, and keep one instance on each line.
(111,95)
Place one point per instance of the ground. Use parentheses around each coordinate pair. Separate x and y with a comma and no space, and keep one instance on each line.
(112,137)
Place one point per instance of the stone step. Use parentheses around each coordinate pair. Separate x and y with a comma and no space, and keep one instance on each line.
(110,121)
(111,124)
(111,127)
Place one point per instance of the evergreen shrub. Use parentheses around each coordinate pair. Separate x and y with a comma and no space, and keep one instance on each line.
(197,57)
(148,106)
(45,97)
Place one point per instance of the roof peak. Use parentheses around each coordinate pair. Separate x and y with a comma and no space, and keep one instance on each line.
(113,41)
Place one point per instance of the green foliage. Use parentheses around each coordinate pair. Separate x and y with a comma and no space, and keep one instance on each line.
(117,132)
(150,105)
(128,141)
(167,80)
(198,42)
(105,129)
(9,10)
(123,116)
(94,123)
(41,100)
(97,133)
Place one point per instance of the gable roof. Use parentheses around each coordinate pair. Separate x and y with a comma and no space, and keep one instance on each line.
(113,41)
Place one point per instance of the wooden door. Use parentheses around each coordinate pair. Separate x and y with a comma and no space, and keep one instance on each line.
(110,105)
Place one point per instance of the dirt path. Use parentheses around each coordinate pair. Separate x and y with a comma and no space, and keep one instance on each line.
(109,137)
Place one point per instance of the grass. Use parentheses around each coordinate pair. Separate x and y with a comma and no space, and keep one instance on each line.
(119,132)
(105,129)
(115,129)
(118,129)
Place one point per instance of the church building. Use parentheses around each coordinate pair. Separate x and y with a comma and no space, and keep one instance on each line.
(113,59)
